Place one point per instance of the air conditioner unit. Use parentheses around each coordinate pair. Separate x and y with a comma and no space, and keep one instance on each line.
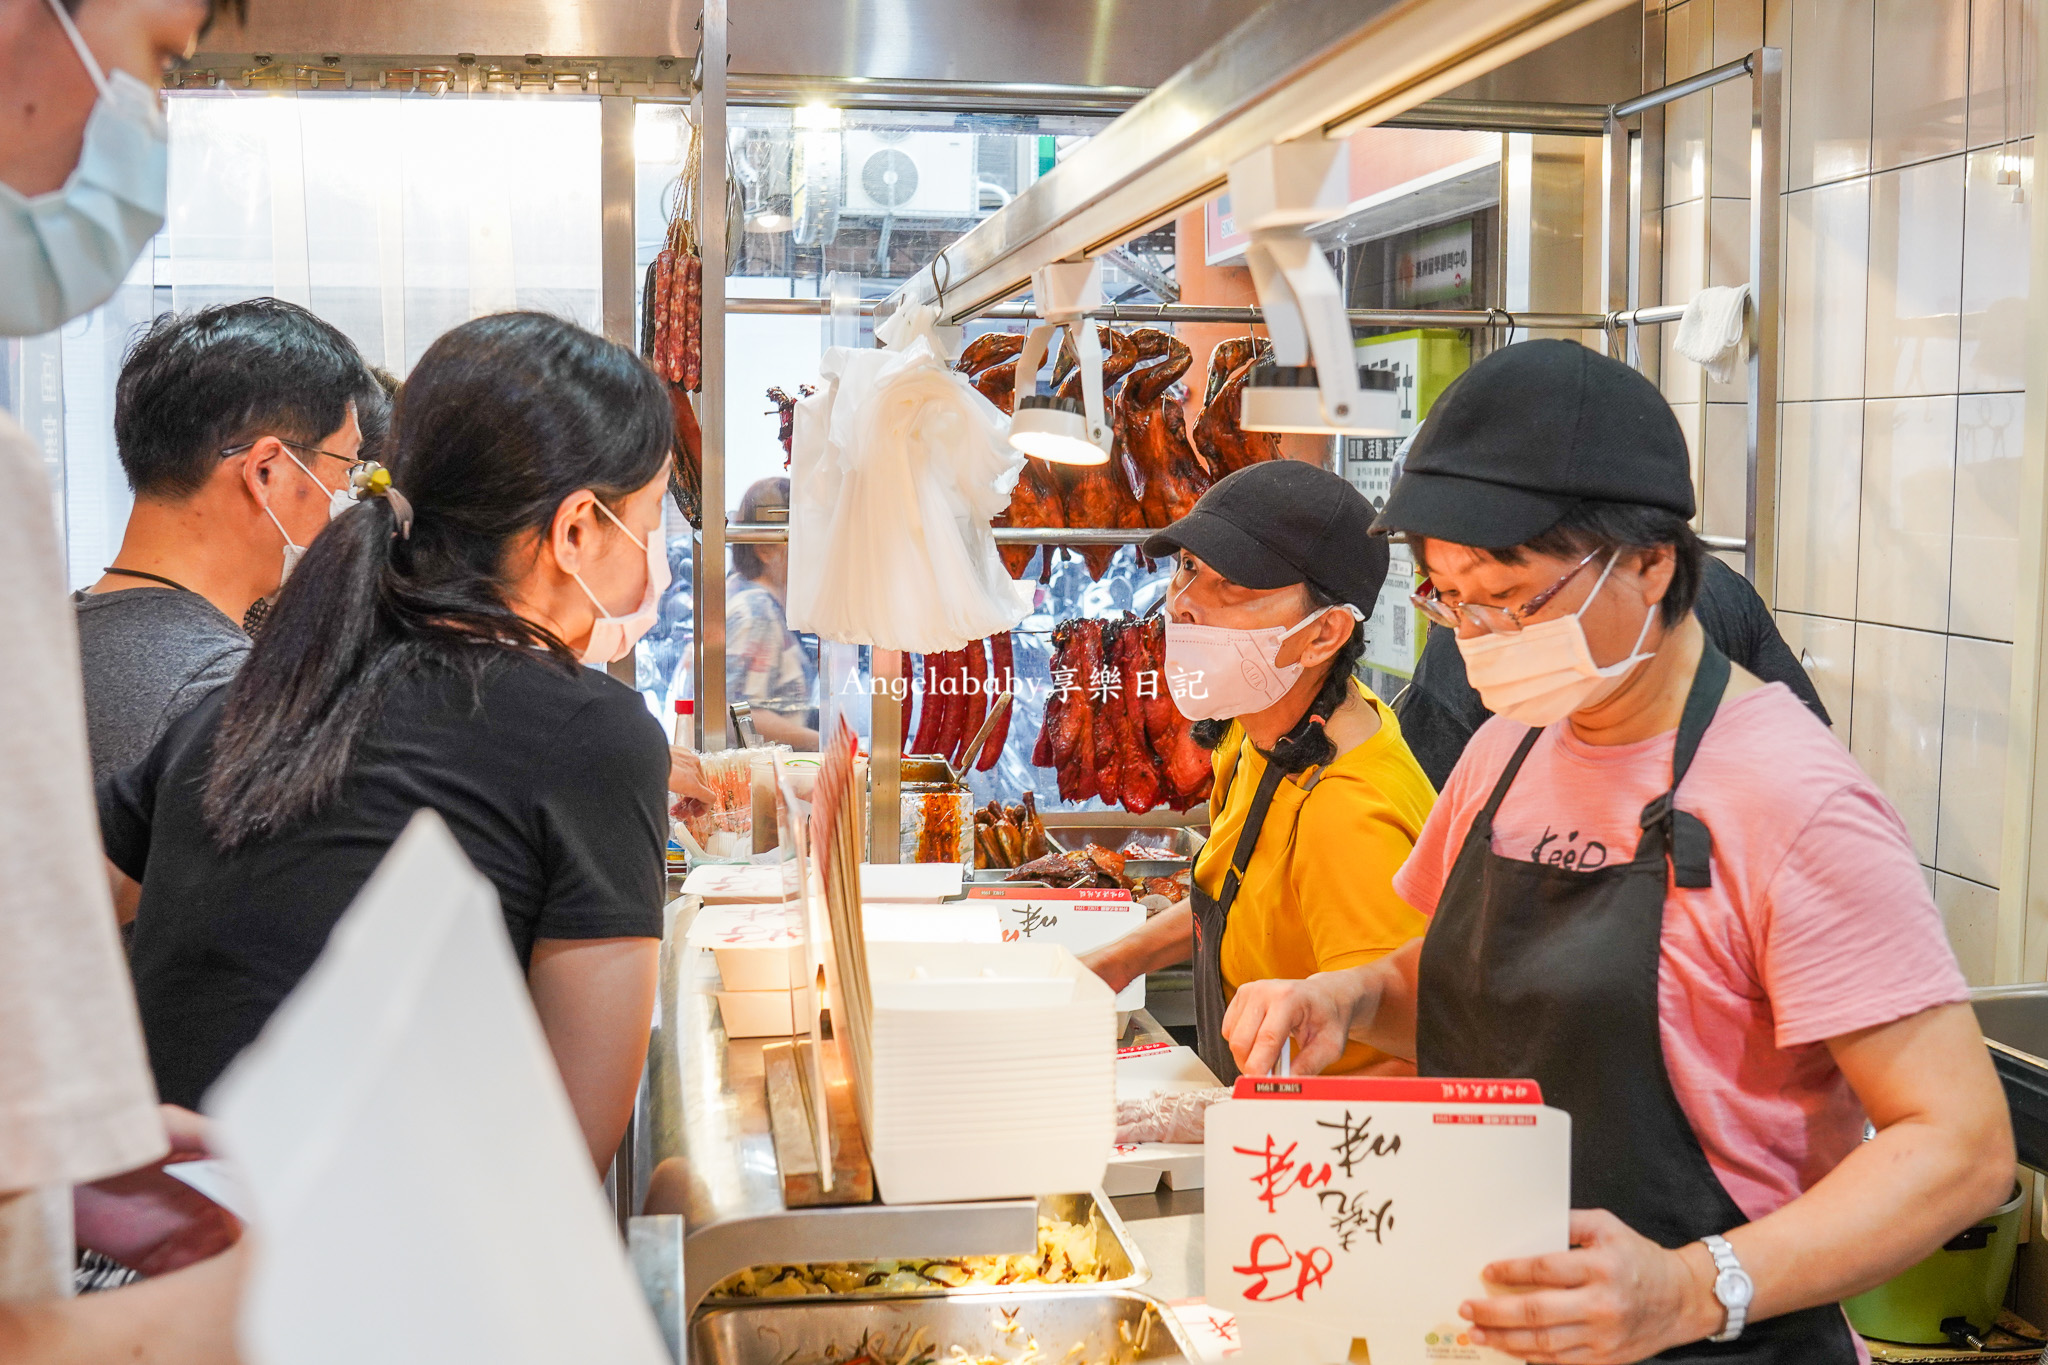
(910,175)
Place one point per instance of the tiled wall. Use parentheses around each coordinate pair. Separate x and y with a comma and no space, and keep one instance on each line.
(1905,280)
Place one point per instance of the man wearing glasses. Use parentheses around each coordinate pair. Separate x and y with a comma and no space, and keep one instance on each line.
(237,427)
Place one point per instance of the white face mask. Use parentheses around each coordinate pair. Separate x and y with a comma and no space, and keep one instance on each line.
(1216,673)
(612,637)
(1542,673)
(338,501)
(64,253)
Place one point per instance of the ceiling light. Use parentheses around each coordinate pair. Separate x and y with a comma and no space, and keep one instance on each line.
(1289,398)
(817,114)
(1055,430)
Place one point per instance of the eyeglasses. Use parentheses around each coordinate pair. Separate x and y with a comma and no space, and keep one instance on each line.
(247,446)
(1498,620)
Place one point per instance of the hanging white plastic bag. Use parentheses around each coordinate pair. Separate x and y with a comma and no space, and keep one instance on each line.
(422,1193)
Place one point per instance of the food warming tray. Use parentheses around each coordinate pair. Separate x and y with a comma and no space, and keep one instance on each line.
(1106,1324)
(1121,1258)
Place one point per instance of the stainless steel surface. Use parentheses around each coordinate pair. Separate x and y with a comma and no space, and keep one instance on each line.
(655,1245)
(1168,314)
(1088,1326)
(1596,64)
(1766,147)
(1725,543)
(1123,1264)
(977,97)
(1691,85)
(1171,1241)
(715,1157)
(1290,70)
(1185,842)
(885,744)
(1170,995)
(707,577)
(1504,116)
(2015,1018)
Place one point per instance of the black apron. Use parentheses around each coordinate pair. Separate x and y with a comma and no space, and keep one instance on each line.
(1212,913)
(1537,971)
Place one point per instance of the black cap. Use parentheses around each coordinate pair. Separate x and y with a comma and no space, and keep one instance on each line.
(1282,522)
(1529,432)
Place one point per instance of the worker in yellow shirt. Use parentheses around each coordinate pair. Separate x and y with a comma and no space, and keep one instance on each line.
(1317,800)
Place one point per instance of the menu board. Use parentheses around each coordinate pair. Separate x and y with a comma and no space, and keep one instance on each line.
(1345,1210)
(1079,920)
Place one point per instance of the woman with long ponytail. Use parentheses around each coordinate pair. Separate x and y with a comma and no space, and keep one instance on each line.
(1316,800)
(429,651)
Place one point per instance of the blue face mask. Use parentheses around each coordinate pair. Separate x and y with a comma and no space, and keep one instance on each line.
(64,253)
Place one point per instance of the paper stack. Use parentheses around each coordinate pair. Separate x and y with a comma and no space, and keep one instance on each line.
(759,949)
(993,1071)
(1138,1167)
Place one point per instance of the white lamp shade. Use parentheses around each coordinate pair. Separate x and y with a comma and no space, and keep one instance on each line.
(1300,409)
(1056,435)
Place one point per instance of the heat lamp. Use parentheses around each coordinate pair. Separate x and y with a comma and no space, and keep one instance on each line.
(1314,384)
(1062,430)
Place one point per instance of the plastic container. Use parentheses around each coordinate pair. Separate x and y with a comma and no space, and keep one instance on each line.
(1966,1279)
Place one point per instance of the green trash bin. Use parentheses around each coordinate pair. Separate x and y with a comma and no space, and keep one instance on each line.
(1966,1279)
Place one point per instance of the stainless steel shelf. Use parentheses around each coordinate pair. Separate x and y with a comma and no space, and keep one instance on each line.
(1166,314)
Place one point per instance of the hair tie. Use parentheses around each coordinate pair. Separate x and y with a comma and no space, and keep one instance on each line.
(373,480)
(1314,719)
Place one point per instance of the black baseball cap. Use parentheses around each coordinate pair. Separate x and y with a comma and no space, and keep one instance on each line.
(1282,522)
(1529,432)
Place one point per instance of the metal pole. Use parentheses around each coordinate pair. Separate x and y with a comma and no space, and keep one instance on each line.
(708,573)
(1766,143)
(1678,90)
(1620,226)
(615,251)
(1166,315)
(888,668)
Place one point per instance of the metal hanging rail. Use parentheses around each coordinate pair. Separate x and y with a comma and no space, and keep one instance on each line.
(1165,314)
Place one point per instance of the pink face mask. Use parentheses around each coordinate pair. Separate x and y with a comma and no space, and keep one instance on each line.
(612,637)
(1216,673)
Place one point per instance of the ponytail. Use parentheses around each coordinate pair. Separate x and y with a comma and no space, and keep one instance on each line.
(1306,745)
(502,418)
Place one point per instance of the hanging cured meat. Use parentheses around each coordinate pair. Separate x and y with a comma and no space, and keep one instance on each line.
(1102,496)
(1110,729)
(1153,430)
(990,348)
(1223,442)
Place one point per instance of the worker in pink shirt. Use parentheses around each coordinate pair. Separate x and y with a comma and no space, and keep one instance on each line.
(1660,888)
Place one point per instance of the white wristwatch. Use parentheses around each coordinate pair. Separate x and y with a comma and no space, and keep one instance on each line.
(1732,1286)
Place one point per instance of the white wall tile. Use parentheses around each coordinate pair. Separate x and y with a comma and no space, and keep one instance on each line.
(1688,50)
(1685,272)
(1970,913)
(2002,37)
(1827,99)
(1912,331)
(1895,723)
(1688,415)
(1920,71)
(1973,734)
(1826,649)
(1995,265)
(1738,31)
(1827,240)
(1908,500)
(1820,477)
(1724,470)
(1984,572)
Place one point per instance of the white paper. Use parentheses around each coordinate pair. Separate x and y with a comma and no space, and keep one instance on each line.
(420,1191)
(720,883)
(1077,920)
(217,1180)
(1341,1208)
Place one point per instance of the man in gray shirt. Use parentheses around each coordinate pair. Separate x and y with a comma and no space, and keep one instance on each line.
(237,427)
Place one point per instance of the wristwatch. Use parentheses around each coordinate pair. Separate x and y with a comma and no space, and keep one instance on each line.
(1732,1286)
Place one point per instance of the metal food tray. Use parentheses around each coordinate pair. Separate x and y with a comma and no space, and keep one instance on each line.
(1182,840)
(1104,1323)
(1122,1260)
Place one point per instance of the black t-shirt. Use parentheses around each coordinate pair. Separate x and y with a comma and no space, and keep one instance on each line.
(553,780)
(1440,710)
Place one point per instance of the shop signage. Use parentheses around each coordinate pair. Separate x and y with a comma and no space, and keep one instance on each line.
(1434,266)
(1345,1210)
